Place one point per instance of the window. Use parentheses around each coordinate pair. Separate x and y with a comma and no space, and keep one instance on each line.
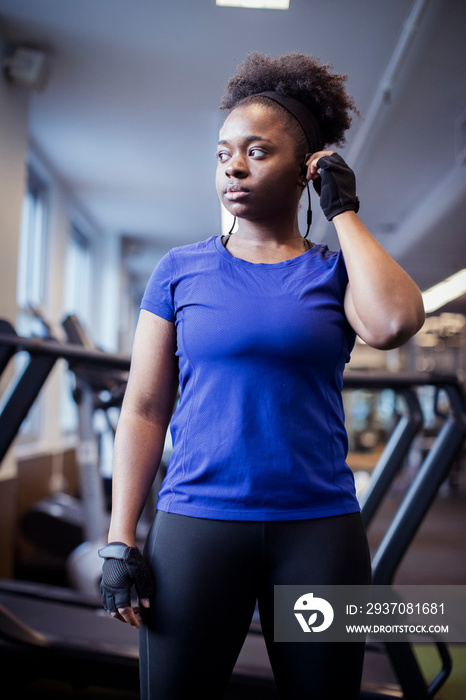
(31,284)
(77,301)
(32,246)
(78,277)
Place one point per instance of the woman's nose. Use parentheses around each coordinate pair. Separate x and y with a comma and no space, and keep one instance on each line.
(236,167)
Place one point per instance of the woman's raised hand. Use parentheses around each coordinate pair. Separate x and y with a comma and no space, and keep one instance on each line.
(334,182)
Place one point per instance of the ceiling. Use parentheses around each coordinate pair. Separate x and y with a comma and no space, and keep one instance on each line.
(129,117)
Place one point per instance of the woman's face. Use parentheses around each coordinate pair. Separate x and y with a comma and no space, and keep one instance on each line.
(258,171)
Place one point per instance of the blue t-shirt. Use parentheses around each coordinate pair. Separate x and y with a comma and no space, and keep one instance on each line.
(258,433)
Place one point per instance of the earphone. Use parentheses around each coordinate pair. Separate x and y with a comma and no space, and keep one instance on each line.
(303,173)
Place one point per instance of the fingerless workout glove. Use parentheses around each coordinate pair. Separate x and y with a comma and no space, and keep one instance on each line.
(123,567)
(336,186)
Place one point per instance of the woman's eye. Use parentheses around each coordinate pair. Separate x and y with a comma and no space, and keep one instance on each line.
(222,156)
(256,152)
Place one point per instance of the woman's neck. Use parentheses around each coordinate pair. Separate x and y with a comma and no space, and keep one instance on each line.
(268,232)
(266,249)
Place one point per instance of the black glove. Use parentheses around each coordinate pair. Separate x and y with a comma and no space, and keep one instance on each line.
(336,186)
(123,567)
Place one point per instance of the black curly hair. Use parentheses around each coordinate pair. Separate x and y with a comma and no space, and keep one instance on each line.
(300,76)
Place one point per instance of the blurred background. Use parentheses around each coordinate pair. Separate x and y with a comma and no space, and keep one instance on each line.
(109,119)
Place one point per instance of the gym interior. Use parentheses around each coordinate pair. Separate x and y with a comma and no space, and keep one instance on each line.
(108,124)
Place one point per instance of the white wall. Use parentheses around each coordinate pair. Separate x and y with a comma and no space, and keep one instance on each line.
(13,148)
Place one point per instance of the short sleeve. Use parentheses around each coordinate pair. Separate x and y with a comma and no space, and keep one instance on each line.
(343,280)
(342,274)
(158,296)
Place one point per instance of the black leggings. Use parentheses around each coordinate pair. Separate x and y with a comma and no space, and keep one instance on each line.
(209,574)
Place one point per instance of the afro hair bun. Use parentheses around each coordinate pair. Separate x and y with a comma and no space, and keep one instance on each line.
(300,76)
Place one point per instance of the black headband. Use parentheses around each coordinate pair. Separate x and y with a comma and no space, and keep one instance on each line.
(303,116)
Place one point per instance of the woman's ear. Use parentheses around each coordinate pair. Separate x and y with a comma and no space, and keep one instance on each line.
(303,171)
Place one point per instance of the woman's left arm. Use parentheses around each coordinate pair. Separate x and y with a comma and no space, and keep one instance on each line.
(382,303)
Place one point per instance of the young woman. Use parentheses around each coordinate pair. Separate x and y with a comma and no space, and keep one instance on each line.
(255,329)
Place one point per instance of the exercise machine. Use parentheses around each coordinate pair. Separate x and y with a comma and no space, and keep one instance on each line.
(410,514)
(68,527)
(60,522)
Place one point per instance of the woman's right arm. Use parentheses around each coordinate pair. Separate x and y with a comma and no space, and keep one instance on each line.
(145,415)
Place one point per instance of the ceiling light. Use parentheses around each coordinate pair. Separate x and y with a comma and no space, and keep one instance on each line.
(257,4)
(440,294)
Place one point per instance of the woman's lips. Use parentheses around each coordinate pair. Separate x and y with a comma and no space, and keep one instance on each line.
(235,192)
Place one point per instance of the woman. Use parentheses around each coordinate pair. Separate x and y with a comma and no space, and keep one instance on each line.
(255,328)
